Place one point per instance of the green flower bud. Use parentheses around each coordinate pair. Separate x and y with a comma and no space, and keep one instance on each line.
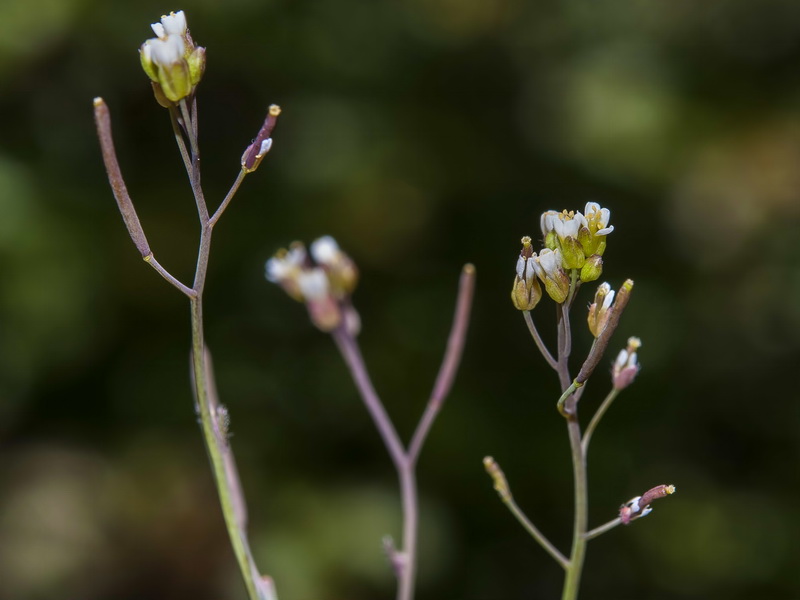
(592,268)
(549,268)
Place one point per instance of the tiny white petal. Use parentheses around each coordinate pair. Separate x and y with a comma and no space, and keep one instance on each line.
(547,220)
(605,216)
(158,29)
(549,260)
(605,230)
(608,299)
(296,256)
(530,270)
(521,267)
(174,23)
(167,51)
(325,250)
(313,284)
(646,511)
(265,147)
(591,207)
(276,269)
(622,358)
(632,360)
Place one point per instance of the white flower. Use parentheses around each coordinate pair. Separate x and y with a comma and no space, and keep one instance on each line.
(598,219)
(174,23)
(286,265)
(325,250)
(164,51)
(313,284)
(548,263)
(526,268)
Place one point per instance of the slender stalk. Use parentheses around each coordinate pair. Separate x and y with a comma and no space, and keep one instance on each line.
(452,358)
(536,534)
(538,339)
(187,291)
(229,512)
(405,460)
(573,576)
(567,405)
(176,130)
(601,410)
(406,565)
(223,466)
(228,197)
(602,529)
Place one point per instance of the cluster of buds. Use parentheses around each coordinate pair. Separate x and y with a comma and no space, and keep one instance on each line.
(172,61)
(627,365)
(573,243)
(323,279)
(580,238)
(640,506)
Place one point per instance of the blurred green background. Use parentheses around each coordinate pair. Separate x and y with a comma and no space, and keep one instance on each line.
(422,134)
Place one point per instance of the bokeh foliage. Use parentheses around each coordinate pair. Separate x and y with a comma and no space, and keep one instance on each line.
(421,134)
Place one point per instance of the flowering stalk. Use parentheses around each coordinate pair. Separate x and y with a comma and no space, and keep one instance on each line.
(175,65)
(324,280)
(574,245)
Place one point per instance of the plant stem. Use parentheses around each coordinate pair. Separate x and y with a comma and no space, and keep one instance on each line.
(573,576)
(603,528)
(568,407)
(538,339)
(406,572)
(601,410)
(201,377)
(405,459)
(536,534)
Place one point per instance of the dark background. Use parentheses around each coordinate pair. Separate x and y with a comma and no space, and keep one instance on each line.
(422,134)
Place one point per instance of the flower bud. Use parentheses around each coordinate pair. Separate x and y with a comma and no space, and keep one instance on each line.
(340,269)
(592,268)
(640,505)
(549,270)
(599,309)
(627,365)
(593,240)
(171,60)
(526,292)
(323,281)
(262,143)
(498,477)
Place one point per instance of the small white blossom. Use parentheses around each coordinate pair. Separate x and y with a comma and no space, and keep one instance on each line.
(598,218)
(313,284)
(281,267)
(173,23)
(325,250)
(164,51)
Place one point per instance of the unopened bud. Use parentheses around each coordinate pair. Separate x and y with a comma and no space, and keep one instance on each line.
(592,268)
(171,60)
(526,292)
(640,505)
(548,267)
(262,143)
(627,365)
(599,309)
(498,477)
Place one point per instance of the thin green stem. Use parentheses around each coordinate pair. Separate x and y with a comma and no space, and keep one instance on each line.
(536,534)
(602,529)
(601,410)
(228,197)
(573,575)
(201,377)
(538,340)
